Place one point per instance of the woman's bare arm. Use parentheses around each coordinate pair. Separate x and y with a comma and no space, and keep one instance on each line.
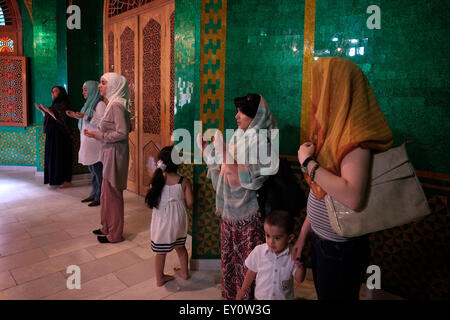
(351,187)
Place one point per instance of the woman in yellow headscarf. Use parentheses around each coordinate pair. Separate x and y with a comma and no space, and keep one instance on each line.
(347,125)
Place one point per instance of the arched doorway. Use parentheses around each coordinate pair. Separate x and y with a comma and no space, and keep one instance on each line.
(139,44)
(10,29)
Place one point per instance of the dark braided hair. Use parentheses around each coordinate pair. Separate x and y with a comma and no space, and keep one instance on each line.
(153,196)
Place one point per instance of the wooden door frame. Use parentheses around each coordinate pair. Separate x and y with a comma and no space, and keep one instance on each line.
(133,12)
(118,28)
(113,23)
(148,142)
(15,31)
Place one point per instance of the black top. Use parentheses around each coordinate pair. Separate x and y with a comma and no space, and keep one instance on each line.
(59,107)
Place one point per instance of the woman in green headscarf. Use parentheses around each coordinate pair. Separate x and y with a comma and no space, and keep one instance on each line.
(90,148)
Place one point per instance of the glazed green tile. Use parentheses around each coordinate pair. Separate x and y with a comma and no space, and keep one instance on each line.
(187,63)
(45,43)
(406,63)
(260,59)
(86,43)
(18,146)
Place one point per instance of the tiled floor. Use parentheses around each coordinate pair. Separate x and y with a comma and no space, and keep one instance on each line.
(45,230)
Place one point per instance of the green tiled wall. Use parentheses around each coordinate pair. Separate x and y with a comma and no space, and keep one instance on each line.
(187,63)
(46,56)
(187,100)
(255,47)
(85,50)
(406,63)
(264,55)
(53,53)
(18,146)
(23,146)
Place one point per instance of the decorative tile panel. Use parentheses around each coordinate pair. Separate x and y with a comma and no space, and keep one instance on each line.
(18,146)
(13,91)
(212,62)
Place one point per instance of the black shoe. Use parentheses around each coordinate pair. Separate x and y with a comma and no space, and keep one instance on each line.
(94,203)
(103,239)
(88,199)
(98,232)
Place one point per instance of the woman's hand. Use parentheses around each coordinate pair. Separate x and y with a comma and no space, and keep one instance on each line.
(39,108)
(44,109)
(72,114)
(90,134)
(306,150)
(297,252)
(300,243)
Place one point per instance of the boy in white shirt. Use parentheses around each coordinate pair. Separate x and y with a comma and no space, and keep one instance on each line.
(271,264)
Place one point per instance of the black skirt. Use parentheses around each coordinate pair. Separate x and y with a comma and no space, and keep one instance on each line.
(58,154)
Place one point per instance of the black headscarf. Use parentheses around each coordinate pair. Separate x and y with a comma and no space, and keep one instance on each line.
(59,107)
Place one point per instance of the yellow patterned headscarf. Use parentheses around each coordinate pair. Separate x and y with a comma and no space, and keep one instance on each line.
(344,115)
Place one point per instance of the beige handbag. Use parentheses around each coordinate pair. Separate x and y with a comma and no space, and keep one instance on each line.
(395,198)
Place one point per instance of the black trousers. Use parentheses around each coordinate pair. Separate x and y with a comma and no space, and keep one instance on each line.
(339,268)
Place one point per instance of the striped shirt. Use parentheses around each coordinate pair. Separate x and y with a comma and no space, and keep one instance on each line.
(318,217)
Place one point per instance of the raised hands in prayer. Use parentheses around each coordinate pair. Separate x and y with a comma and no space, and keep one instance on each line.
(76,115)
(44,109)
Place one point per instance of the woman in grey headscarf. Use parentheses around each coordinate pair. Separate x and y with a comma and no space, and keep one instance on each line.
(114,129)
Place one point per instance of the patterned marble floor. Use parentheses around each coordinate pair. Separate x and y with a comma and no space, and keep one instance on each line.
(45,230)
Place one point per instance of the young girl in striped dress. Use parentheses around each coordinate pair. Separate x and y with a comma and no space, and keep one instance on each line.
(168,196)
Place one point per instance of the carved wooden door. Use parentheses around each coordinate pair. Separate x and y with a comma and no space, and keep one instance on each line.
(140,46)
(156,33)
(121,56)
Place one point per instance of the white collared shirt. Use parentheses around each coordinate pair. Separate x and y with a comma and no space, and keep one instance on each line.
(274,273)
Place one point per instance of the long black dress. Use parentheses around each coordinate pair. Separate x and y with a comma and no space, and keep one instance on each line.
(58,143)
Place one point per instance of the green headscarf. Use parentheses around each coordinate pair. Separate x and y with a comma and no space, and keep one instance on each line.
(91,102)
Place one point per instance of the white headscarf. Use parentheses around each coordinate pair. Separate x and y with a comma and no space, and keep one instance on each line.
(117,90)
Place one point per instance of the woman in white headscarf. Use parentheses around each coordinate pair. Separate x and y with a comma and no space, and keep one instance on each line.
(114,129)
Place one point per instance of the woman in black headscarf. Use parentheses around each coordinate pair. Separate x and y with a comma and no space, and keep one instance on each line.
(58,140)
